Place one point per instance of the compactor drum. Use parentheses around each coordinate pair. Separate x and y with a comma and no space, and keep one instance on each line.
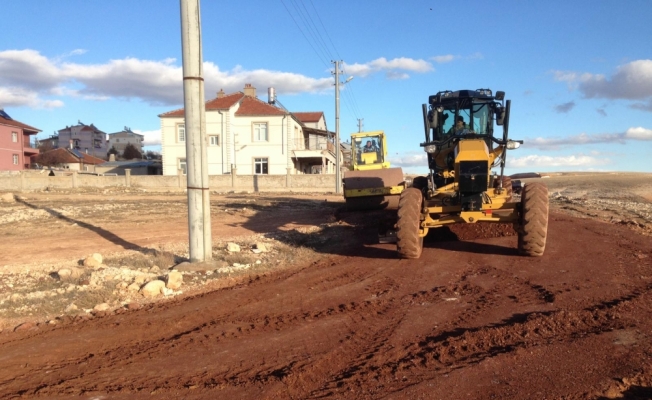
(461,151)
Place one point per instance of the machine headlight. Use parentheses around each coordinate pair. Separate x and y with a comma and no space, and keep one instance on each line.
(430,149)
(511,145)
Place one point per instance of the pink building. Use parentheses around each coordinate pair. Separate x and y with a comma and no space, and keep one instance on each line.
(16,149)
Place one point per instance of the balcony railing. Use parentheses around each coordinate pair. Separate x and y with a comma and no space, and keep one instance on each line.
(313,144)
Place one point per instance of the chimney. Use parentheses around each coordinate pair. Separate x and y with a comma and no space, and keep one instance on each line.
(71,144)
(111,157)
(221,94)
(249,90)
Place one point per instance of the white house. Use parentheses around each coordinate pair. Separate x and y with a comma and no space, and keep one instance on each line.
(253,136)
(121,139)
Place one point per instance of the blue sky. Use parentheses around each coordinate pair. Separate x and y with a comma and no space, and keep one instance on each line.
(579,73)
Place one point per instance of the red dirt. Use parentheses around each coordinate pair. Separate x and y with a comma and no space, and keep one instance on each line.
(469,319)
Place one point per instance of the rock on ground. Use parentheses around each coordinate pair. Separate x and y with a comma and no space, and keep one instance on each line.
(153,288)
(232,247)
(7,198)
(93,261)
(174,280)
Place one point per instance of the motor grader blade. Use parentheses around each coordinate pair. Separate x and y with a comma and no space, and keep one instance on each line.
(373,189)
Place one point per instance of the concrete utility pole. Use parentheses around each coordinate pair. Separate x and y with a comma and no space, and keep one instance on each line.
(338,178)
(199,209)
(360,124)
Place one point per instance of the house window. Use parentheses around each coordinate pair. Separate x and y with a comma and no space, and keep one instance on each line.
(214,140)
(260,132)
(183,166)
(181,133)
(15,157)
(14,137)
(260,166)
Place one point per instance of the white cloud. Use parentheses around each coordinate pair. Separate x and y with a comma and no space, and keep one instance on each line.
(632,81)
(20,97)
(532,161)
(30,79)
(410,160)
(394,75)
(444,59)
(638,133)
(152,138)
(28,69)
(382,64)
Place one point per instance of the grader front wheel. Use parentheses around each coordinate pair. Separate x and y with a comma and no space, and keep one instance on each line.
(409,244)
(534,220)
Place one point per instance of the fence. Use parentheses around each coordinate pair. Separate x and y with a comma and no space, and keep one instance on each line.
(33,180)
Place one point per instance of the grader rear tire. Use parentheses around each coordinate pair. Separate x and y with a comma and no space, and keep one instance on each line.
(409,244)
(534,220)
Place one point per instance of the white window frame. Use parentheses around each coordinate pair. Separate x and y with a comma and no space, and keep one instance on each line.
(183,165)
(14,137)
(263,162)
(214,140)
(15,159)
(181,133)
(255,126)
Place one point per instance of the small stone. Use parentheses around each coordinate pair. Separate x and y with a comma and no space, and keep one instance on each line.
(133,306)
(101,307)
(174,280)
(121,285)
(134,287)
(64,274)
(140,279)
(232,247)
(15,297)
(154,269)
(7,198)
(71,307)
(167,292)
(93,261)
(258,262)
(262,247)
(153,288)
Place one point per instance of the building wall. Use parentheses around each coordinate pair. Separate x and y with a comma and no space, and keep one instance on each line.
(237,145)
(120,141)
(91,141)
(9,148)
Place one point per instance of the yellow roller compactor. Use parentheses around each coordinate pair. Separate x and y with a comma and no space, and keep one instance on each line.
(462,148)
(371,183)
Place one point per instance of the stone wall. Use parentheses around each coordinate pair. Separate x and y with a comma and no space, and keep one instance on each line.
(37,180)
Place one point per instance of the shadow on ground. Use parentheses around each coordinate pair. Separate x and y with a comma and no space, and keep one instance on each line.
(354,233)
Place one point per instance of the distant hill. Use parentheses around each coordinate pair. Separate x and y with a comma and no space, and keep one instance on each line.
(525,175)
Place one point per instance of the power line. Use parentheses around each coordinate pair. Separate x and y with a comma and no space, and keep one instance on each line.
(304,35)
(324,28)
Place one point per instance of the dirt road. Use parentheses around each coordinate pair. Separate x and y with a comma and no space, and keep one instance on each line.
(467,320)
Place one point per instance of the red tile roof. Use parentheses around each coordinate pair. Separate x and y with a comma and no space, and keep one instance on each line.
(310,116)
(252,106)
(69,158)
(222,103)
(18,124)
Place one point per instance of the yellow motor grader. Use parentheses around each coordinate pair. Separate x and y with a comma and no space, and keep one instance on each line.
(462,148)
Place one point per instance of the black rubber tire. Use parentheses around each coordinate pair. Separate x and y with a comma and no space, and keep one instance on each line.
(533,229)
(409,244)
(507,185)
(420,182)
